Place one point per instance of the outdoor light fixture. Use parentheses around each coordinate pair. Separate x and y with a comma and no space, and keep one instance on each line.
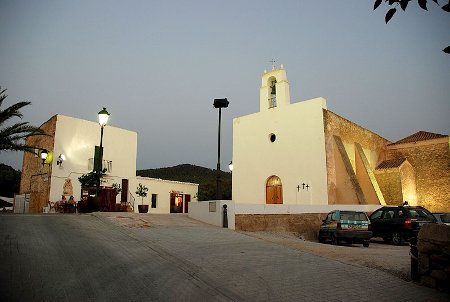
(44,154)
(219,103)
(103,116)
(60,160)
(230,166)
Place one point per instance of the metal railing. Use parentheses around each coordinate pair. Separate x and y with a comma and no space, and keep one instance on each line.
(106,164)
(131,200)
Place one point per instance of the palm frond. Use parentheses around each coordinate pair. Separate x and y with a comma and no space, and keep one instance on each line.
(13,137)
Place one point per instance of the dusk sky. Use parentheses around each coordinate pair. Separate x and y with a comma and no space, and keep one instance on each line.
(158,65)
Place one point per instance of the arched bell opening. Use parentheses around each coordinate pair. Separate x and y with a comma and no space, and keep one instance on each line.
(271,84)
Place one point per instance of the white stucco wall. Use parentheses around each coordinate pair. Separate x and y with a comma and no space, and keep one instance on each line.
(296,157)
(162,188)
(212,212)
(76,139)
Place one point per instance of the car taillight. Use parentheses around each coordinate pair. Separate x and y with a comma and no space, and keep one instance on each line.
(338,226)
(408,223)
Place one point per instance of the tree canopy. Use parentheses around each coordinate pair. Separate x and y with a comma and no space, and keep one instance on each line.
(393,4)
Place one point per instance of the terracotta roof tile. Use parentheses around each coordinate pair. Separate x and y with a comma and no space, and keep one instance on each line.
(392,163)
(419,136)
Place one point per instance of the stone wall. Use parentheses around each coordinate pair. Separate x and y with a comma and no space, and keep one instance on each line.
(305,225)
(351,134)
(434,256)
(35,177)
(390,183)
(431,162)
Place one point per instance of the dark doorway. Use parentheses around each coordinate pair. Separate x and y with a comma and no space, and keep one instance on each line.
(187,200)
(124,193)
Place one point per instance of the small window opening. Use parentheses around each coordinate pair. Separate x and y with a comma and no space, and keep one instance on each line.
(272,137)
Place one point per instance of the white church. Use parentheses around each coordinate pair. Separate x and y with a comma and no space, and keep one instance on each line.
(295,162)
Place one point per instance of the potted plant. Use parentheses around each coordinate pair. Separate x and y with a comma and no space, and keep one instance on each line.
(117,188)
(91,181)
(141,191)
(92,178)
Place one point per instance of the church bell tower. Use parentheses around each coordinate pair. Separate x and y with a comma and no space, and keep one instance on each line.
(274,91)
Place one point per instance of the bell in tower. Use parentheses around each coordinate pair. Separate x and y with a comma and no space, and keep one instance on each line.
(274,91)
(273,87)
(273,94)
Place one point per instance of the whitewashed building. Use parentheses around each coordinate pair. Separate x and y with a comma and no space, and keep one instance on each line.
(302,153)
(70,145)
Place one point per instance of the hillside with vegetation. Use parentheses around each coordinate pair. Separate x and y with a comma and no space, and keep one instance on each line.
(206,178)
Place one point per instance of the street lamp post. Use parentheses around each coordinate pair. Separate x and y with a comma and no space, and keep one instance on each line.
(103,116)
(219,103)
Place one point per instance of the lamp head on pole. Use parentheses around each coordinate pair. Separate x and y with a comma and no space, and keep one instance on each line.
(103,116)
(221,103)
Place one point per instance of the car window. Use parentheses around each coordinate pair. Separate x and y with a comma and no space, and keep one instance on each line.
(333,216)
(376,214)
(388,214)
(421,214)
(401,214)
(445,218)
(358,216)
(347,216)
(361,216)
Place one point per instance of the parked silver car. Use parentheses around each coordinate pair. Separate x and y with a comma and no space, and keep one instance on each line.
(349,226)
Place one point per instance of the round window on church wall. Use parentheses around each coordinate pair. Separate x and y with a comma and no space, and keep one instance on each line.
(272,137)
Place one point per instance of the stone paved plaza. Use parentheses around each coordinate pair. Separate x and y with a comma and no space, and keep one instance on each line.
(145,257)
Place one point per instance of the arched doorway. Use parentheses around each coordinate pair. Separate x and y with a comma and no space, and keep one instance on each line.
(274,190)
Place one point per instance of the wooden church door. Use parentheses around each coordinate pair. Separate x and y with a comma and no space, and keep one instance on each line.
(274,190)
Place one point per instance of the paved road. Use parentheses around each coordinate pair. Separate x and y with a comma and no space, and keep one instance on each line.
(389,258)
(133,257)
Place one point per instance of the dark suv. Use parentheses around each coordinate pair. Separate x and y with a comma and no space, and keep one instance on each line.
(399,223)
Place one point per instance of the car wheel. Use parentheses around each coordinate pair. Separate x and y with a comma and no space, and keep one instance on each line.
(321,239)
(397,238)
(334,240)
(366,243)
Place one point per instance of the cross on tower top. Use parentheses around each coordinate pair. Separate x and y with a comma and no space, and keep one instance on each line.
(273,63)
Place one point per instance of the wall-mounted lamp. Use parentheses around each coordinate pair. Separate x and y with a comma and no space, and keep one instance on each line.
(60,160)
(230,166)
(44,154)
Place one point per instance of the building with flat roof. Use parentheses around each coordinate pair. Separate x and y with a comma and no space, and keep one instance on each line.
(70,145)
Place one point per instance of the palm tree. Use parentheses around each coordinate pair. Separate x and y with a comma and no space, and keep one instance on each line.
(12,136)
